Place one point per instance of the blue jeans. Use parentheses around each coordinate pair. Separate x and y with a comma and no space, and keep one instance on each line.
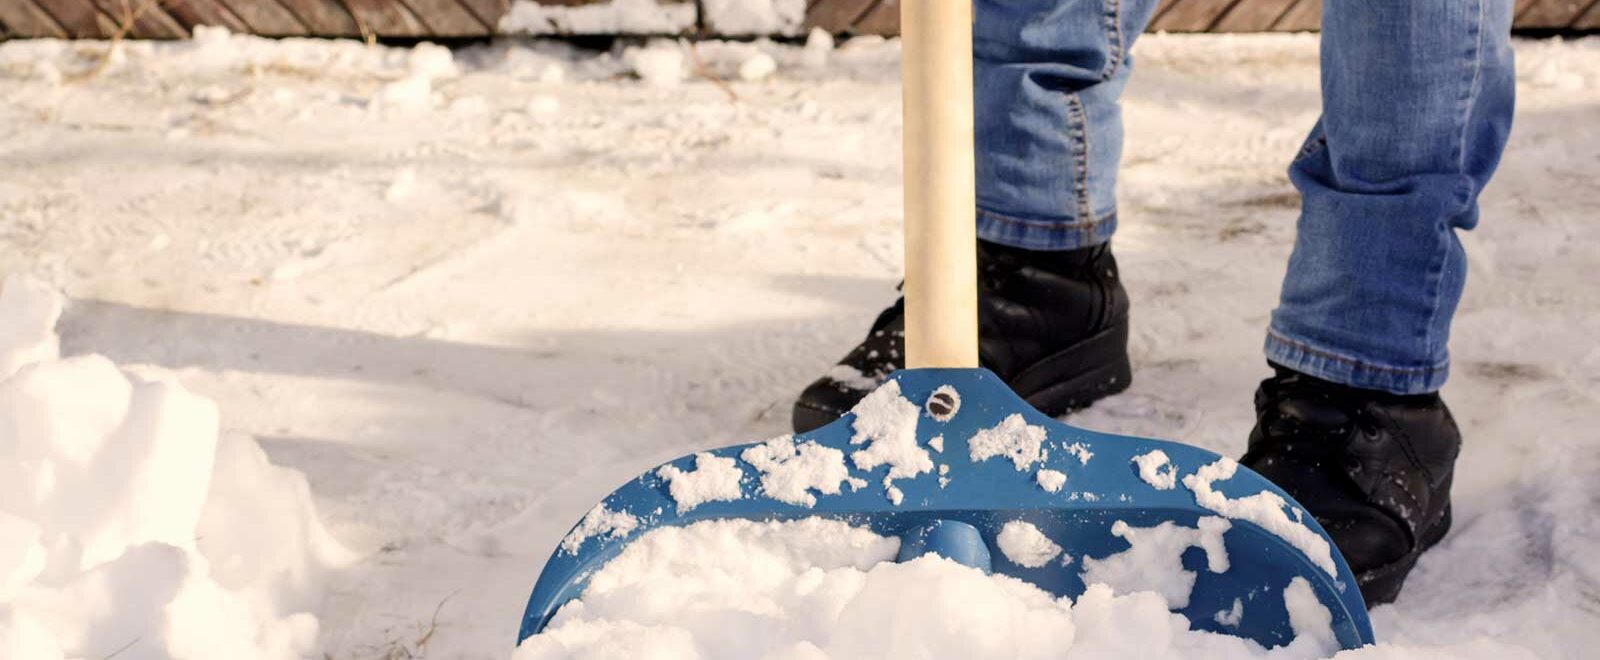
(1417,100)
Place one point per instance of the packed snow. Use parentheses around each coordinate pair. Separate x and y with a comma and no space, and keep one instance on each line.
(887,423)
(585,275)
(1050,480)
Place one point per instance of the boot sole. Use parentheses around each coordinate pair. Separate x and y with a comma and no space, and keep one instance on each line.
(1071,380)
(1382,584)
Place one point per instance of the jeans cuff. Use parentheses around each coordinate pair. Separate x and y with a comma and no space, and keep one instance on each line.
(1045,234)
(1331,365)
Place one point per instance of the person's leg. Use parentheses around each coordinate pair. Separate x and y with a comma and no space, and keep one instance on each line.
(1049,74)
(1417,104)
(1053,316)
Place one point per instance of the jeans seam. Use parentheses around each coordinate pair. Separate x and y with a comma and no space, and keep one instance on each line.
(1078,133)
(1469,98)
(1113,26)
(1353,363)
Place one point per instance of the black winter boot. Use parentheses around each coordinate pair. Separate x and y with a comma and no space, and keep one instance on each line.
(1053,325)
(1374,468)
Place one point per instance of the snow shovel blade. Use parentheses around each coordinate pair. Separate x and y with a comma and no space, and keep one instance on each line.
(1269,542)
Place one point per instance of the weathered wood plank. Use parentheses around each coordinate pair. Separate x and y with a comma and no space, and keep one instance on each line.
(446,18)
(142,19)
(1522,6)
(268,18)
(488,11)
(202,12)
(1191,15)
(385,18)
(80,18)
(837,15)
(883,18)
(1552,14)
(323,18)
(1304,16)
(1253,16)
(1589,20)
(23,18)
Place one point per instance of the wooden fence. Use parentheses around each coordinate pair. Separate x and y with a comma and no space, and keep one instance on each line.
(444,19)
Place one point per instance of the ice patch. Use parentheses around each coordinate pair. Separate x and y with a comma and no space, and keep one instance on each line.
(888,423)
(599,520)
(1051,480)
(789,472)
(1154,562)
(1150,469)
(1023,544)
(714,479)
(1013,438)
(1266,509)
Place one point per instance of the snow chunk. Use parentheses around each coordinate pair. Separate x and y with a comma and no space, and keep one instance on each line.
(1013,437)
(1266,509)
(714,479)
(1079,451)
(936,443)
(1154,562)
(789,471)
(819,45)
(1051,480)
(1150,469)
(1232,616)
(888,422)
(613,524)
(659,63)
(757,67)
(1308,617)
(1023,544)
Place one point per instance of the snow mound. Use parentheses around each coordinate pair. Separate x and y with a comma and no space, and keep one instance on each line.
(128,527)
(818,589)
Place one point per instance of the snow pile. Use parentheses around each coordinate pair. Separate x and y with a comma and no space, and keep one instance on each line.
(815,589)
(126,527)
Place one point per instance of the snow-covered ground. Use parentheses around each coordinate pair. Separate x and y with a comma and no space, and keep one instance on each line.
(468,296)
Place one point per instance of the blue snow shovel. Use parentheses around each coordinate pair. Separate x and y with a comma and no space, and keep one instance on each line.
(944,456)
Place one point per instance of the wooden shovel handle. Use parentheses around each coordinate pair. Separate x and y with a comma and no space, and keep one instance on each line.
(941,286)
